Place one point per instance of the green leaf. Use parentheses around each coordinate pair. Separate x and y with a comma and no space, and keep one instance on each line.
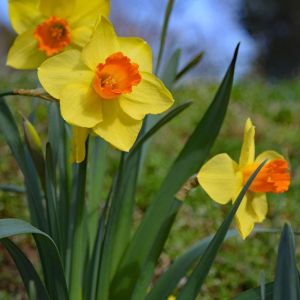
(189,66)
(187,163)
(255,294)
(26,269)
(164,33)
(120,220)
(50,258)
(96,171)
(51,197)
(117,223)
(11,134)
(169,73)
(170,115)
(78,227)
(168,281)
(142,284)
(92,272)
(196,279)
(58,139)
(286,284)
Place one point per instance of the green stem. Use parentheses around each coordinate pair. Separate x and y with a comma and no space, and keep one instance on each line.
(78,244)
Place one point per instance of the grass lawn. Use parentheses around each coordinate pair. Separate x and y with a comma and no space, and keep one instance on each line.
(273,108)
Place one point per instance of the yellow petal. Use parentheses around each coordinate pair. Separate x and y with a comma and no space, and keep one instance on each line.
(24,53)
(218,178)
(269,155)
(81,35)
(86,13)
(150,96)
(138,51)
(24,15)
(79,138)
(260,206)
(61,8)
(60,70)
(245,217)
(117,128)
(79,103)
(103,43)
(248,147)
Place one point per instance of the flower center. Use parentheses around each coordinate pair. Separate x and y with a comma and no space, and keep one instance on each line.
(116,76)
(274,177)
(53,35)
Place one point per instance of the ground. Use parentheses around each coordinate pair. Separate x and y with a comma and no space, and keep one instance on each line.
(274,109)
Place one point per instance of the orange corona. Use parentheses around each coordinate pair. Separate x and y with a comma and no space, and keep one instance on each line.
(116,76)
(274,177)
(53,35)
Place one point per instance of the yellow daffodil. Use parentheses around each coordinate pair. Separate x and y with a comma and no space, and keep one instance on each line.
(107,89)
(222,179)
(47,27)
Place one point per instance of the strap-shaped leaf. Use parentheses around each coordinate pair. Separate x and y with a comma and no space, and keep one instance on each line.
(187,163)
(50,258)
(286,284)
(26,269)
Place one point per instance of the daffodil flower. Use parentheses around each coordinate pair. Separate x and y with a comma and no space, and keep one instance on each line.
(47,27)
(106,89)
(222,179)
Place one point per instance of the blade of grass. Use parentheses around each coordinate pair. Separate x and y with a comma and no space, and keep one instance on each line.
(187,163)
(196,279)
